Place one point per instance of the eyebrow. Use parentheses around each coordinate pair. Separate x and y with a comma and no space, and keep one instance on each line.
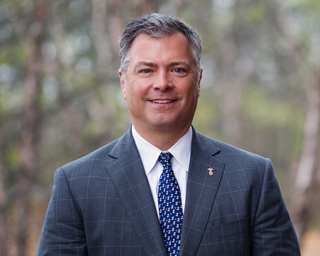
(172,64)
(144,63)
(151,64)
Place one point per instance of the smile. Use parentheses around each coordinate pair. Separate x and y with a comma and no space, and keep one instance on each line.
(161,101)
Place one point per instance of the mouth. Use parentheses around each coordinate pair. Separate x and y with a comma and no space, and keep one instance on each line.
(161,101)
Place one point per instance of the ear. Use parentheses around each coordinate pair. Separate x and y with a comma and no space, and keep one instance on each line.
(199,80)
(123,84)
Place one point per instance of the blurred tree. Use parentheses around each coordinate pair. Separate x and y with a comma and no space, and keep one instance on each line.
(305,170)
(25,139)
(31,126)
(306,187)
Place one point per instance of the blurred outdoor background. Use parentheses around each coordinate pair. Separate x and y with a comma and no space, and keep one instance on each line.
(60,95)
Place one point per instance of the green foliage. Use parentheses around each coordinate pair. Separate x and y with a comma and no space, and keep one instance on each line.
(309,7)
(278,126)
(207,116)
(13,54)
(257,12)
(12,100)
(11,157)
(268,111)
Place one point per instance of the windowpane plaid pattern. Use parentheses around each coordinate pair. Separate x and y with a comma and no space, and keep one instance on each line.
(170,207)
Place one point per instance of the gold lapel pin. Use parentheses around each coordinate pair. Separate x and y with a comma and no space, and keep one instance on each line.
(210,171)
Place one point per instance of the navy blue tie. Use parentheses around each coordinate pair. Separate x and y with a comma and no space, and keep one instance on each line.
(170,207)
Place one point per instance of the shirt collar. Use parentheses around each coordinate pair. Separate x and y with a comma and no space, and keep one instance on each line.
(149,154)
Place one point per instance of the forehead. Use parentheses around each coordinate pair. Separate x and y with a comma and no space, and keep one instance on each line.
(175,44)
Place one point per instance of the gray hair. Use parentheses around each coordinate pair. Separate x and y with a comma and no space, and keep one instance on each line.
(157,25)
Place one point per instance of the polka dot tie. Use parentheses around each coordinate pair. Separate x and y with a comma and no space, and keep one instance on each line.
(170,207)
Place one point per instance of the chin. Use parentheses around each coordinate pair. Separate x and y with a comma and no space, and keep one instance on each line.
(163,125)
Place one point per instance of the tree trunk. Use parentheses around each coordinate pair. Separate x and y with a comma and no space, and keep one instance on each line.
(31,130)
(101,39)
(306,176)
(3,203)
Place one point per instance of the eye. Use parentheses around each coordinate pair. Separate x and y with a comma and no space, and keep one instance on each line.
(145,72)
(179,70)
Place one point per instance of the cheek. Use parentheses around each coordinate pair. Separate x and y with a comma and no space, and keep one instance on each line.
(134,94)
(194,92)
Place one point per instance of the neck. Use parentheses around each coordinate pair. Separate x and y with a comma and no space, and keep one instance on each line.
(163,139)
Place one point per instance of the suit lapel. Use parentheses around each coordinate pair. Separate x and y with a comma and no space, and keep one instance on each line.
(127,173)
(201,192)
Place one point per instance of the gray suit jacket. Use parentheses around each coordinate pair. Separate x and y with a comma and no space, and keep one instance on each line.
(102,205)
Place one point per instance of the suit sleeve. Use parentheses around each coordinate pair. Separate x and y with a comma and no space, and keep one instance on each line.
(273,232)
(63,230)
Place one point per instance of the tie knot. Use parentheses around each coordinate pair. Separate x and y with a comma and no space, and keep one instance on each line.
(165,159)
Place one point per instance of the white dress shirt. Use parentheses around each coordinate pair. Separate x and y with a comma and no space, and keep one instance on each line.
(149,154)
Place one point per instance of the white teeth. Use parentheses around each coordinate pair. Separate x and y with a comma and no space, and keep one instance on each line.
(161,101)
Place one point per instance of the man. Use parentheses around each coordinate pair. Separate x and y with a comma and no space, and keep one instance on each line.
(200,197)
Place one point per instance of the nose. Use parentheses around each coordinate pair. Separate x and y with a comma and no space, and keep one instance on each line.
(162,81)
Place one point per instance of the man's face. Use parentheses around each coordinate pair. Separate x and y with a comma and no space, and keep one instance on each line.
(162,87)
